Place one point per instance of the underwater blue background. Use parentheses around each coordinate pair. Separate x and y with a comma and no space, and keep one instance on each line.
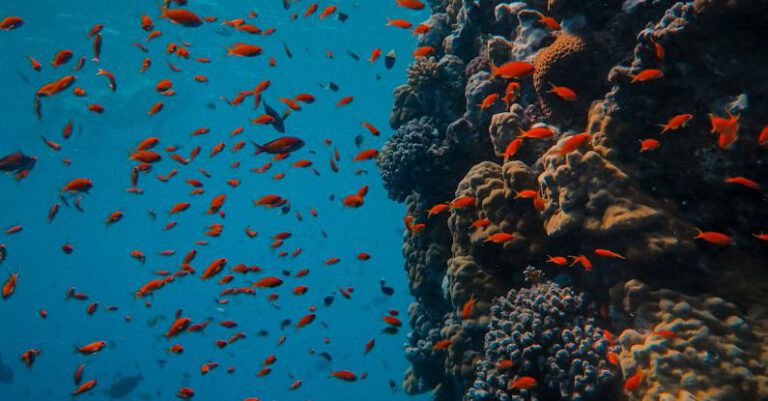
(101,267)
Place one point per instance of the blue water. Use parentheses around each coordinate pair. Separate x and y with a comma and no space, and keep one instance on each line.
(100,265)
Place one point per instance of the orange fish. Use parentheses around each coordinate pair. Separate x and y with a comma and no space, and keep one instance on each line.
(677,122)
(9,287)
(714,237)
(244,50)
(512,148)
(366,154)
(181,16)
(608,253)
(746,182)
(537,133)
(499,238)
(92,348)
(216,203)
(489,101)
(375,54)
(421,29)
(410,4)
(563,92)
(400,23)
(763,137)
(468,308)
(512,70)
(463,202)
(522,383)
(424,51)
(62,57)
(646,75)
(550,23)
(344,101)
(85,387)
(177,327)
(574,142)
(10,23)
(78,185)
(442,344)
(344,375)
(634,381)
(558,260)
(328,11)
(649,144)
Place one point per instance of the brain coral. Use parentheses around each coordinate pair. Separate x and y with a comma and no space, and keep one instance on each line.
(692,348)
(566,62)
(546,333)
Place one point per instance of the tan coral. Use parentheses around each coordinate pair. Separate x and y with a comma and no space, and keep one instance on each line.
(588,195)
(709,350)
(566,62)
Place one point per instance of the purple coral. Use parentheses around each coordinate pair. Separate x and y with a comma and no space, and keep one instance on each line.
(546,333)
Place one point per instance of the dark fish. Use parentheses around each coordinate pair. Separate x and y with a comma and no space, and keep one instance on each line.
(3,253)
(389,59)
(386,289)
(262,333)
(359,140)
(6,374)
(152,214)
(285,144)
(286,4)
(327,301)
(323,233)
(278,122)
(327,356)
(287,50)
(390,330)
(342,17)
(124,386)
(285,323)
(16,162)
(286,273)
(393,385)
(353,55)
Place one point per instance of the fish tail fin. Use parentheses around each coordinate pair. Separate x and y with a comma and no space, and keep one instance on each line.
(494,71)
(259,149)
(95,59)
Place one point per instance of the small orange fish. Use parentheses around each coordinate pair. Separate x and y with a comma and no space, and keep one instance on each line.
(677,122)
(410,4)
(489,101)
(499,238)
(522,383)
(558,260)
(646,75)
(563,92)
(468,308)
(9,287)
(399,23)
(244,50)
(714,237)
(649,144)
(537,133)
(366,154)
(608,253)
(512,70)
(442,344)
(512,148)
(634,381)
(424,51)
(746,182)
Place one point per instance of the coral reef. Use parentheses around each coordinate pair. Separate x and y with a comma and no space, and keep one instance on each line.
(692,347)
(568,168)
(544,332)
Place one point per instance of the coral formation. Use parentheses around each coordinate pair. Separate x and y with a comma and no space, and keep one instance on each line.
(544,332)
(692,347)
(505,173)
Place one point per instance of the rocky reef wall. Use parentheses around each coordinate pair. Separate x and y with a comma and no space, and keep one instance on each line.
(618,146)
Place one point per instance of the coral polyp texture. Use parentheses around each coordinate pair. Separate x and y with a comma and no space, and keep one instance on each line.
(620,148)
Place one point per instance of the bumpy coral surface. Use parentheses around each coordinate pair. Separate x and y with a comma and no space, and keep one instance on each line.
(544,333)
(687,347)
